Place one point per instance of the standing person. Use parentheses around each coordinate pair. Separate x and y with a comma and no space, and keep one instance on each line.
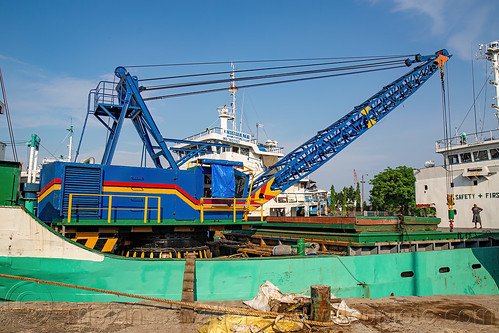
(476,215)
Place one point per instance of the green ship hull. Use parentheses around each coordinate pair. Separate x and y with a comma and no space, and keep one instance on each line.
(30,249)
(239,279)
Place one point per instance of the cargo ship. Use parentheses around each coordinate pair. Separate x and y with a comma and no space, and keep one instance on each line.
(470,168)
(130,229)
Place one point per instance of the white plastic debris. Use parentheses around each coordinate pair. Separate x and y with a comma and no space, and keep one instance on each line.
(269,298)
(342,314)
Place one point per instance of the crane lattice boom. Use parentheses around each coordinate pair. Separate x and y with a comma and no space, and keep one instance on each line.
(327,143)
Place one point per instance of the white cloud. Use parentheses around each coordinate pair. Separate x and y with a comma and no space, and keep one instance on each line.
(49,102)
(434,9)
(44,103)
(461,23)
(464,39)
(17,61)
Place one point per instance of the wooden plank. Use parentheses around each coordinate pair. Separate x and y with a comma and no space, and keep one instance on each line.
(188,315)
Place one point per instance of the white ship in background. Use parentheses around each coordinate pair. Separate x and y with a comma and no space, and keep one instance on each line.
(471,170)
(302,199)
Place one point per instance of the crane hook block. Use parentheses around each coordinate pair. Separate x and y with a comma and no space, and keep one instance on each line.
(450,201)
(120,71)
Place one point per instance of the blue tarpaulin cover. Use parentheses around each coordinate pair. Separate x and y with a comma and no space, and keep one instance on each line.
(223,183)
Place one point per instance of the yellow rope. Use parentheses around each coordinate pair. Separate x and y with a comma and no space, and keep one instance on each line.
(219,309)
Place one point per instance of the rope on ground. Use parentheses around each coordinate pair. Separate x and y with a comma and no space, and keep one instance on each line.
(192,305)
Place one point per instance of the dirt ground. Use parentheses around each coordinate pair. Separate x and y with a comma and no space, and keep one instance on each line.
(451,314)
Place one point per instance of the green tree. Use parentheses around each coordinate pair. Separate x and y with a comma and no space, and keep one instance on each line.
(350,198)
(347,199)
(357,197)
(333,196)
(341,201)
(394,190)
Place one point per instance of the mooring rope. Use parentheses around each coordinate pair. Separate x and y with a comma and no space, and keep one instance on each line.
(192,305)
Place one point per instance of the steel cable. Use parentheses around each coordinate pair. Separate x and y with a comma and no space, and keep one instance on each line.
(269,83)
(9,122)
(269,76)
(260,61)
(261,69)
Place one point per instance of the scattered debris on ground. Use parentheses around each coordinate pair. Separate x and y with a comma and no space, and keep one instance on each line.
(447,313)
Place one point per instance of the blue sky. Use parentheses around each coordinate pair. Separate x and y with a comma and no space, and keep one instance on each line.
(53,52)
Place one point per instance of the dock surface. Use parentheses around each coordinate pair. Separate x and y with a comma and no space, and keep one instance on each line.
(471,313)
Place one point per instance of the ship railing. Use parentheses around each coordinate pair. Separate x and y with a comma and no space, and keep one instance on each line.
(104,93)
(221,131)
(376,213)
(465,139)
(215,130)
(110,208)
(272,149)
(229,204)
(235,135)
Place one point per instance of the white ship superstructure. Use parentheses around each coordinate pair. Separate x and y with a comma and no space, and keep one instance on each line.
(242,147)
(471,169)
(302,199)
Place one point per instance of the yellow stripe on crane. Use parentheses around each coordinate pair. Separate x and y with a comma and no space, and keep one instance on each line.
(365,110)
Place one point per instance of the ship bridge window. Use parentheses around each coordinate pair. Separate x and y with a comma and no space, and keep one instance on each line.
(282,199)
(465,157)
(480,155)
(235,149)
(494,153)
(453,159)
(245,151)
(277,212)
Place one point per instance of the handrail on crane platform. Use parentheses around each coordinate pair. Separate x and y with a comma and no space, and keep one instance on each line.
(231,202)
(110,202)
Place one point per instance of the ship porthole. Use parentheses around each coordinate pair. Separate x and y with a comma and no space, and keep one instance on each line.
(407,274)
(444,270)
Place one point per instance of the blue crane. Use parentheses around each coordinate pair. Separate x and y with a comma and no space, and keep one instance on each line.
(123,100)
(330,141)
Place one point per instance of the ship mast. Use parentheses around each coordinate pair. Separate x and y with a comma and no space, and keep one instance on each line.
(70,146)
(492,54)
(229,113)
(233,90)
